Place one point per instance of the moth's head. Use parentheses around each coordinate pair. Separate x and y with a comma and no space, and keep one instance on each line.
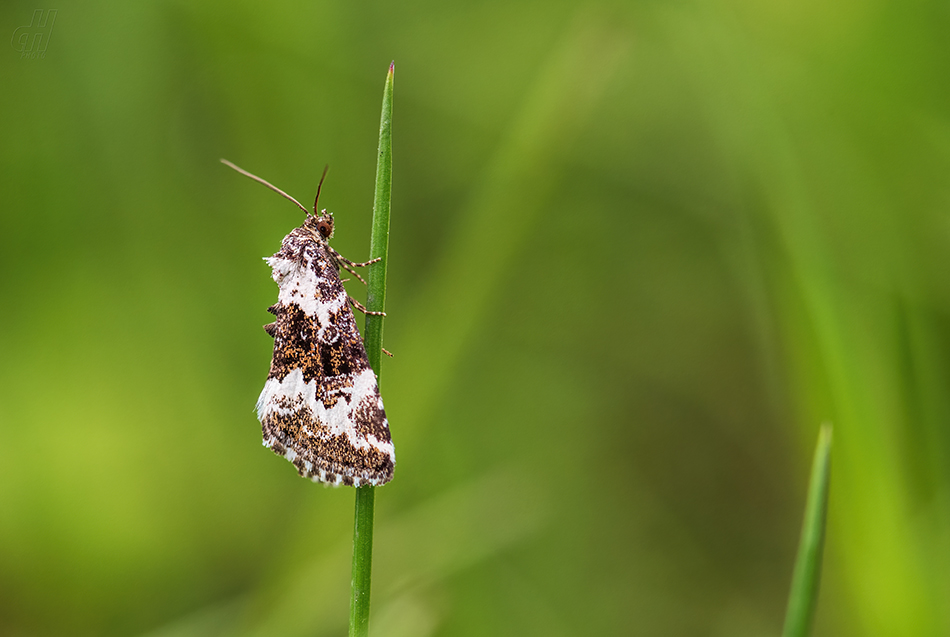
(321,224)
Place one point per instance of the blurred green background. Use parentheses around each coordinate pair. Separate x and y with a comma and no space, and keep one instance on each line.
(639,252)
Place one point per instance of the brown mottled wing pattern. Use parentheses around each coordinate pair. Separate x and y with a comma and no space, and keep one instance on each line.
(320,407)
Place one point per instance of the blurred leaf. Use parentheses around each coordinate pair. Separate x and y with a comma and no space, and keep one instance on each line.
(807,575)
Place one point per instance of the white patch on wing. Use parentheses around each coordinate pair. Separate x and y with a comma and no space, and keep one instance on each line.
(298,286)
(338,418)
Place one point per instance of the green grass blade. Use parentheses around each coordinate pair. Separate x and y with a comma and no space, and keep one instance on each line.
(373,339)
(379,241)
(362,560)
(807,575)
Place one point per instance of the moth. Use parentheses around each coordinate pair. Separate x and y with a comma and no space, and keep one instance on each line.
(320,407)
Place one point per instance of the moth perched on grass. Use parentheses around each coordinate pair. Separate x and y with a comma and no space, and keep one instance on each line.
(320,407)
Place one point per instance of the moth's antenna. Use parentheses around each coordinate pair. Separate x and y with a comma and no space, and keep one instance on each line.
(322,177)
(268,184)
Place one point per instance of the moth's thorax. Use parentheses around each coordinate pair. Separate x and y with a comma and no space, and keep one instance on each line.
(306,246)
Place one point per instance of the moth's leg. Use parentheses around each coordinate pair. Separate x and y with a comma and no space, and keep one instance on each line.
(364,263)
(362,309)
(348,265)
(359,306)
(343,263)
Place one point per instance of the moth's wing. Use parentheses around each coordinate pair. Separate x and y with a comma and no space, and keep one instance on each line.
(320,407)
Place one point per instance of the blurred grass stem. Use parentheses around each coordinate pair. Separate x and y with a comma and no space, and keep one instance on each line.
(807,575)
